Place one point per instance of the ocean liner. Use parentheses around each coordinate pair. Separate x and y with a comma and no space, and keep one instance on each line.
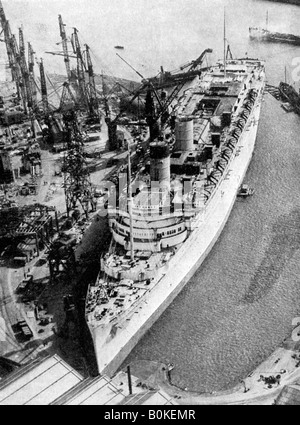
(169,215)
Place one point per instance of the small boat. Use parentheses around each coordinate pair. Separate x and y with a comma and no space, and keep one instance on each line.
(291,95)
(119,47)
(263,34)
(245,190)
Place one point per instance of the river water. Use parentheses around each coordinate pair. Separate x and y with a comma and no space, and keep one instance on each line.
(240,304)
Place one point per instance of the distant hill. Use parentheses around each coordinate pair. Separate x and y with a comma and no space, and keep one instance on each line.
(55,82)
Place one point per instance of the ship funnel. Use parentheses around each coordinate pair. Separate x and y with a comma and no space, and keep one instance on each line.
(160,162)
(184,134)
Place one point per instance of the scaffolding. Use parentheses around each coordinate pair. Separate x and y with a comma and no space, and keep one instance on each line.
(29,222)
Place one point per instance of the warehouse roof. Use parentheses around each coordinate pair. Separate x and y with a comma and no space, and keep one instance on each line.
(100,391)
(41,382)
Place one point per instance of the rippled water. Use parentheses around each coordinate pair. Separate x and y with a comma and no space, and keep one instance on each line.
(239,306)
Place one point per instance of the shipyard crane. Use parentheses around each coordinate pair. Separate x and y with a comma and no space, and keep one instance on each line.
(24,71)
(192,65)
(12,53)
(17,62)
(14,58)
(147,83)
(93,100)
(32,83)
(7,39)
(169,78)
(54,126)
(19,73)
(84,92)
(80,69)
(153,114)
(67,100)
(112,123)
(44,92)
(70,88)
(77,183)
(65,47)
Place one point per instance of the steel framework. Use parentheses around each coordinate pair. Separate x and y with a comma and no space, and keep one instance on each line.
(78,188)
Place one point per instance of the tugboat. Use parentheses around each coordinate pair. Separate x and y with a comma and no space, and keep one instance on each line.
(245,191)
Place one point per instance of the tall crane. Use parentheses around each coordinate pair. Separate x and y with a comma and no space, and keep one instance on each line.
(71,75)
(187,71)
(7,39)
(80,69)
(31,75)
(65,47)
(193,64)
(93,100)
(156,115)
(24,72)
(44,92)
(55,132)
(18,71)
(11,49)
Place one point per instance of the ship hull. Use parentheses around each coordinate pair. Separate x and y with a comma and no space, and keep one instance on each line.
(114,343)
(269,37)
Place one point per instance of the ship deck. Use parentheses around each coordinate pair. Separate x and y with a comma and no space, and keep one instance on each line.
(100,307)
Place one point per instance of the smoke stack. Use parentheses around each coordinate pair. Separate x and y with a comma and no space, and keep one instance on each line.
(160,162)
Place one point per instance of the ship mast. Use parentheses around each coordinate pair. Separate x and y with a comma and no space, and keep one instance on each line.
(224,44)
(130,205)
(285,74)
